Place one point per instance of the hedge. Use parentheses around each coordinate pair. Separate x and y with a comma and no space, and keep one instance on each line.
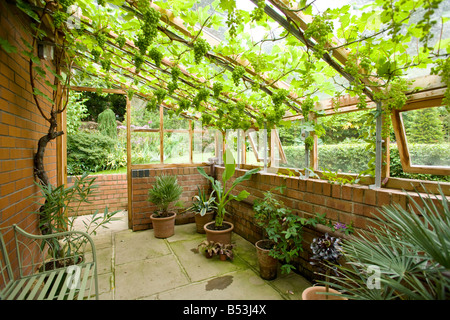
(353,157)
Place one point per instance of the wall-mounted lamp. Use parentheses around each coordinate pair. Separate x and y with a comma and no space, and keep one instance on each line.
(45,51)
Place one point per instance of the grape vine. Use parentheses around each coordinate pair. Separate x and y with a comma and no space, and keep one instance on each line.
(201,48)
(258,12)
(237,75)
(217,88)
(156,56)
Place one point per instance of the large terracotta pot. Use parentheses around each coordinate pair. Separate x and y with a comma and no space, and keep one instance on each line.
(268,265)
(163,227)
(200,221)
(311,294)
(221,236)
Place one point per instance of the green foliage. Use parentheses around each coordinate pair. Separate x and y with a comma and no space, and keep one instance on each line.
(223,194)
(237,74)
(107,124)
(96,103)
(217,88)
(201,48)
(425,126)
(87,152)
(164,192)
(60,209)
(76,110)
(409,248)
(202,203)
(355,158)
(156,56)
(282,227)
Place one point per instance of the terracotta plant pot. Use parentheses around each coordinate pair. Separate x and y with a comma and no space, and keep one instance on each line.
(268,265)
(219,236)
(200,221)
(311,294)
(163,227)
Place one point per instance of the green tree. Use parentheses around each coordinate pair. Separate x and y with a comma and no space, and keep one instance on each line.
(424,126)
(107,124)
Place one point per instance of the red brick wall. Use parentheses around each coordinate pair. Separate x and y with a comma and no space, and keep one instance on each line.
(21,126)
(111,192)
(142,181)
(307,198)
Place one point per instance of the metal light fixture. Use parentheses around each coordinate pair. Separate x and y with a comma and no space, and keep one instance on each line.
(45,51)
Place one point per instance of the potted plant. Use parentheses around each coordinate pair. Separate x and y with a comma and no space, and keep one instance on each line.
(209,248)
(203,207)
(58,214)
(225,251)
(218,230)
(282,232)
(404,256)
(165,191)
(326,251)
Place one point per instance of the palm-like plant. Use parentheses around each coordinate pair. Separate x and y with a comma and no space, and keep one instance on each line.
(409,250)
(164,192)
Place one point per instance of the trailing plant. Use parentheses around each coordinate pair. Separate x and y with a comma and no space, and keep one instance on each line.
(164,192)
(284,229)
(335,177)
(404,256)
(223,193)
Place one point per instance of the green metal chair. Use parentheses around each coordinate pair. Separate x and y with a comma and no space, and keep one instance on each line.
(59,266)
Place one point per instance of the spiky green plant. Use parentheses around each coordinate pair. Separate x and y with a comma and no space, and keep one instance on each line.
(165,191)
(407,256)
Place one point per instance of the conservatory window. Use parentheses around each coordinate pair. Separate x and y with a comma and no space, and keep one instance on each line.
(423,139)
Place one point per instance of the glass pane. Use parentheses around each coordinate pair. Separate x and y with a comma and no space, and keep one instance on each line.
(176,147)
(341,148)
(204,144)
(141,118)
(292,139)
(175,122)
(428,136)
(254,145)
(144,147)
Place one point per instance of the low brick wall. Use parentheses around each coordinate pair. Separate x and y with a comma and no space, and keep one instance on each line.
(111,192)
(142,181)
(306,198)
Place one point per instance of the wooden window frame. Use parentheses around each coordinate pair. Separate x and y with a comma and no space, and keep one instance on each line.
(402,143)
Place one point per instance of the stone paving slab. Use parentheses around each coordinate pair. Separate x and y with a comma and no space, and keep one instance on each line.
(136,265)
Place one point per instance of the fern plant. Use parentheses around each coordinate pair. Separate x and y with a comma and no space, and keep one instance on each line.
(165,191)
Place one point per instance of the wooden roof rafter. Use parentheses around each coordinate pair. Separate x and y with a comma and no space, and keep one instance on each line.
(178,24)
(168,63)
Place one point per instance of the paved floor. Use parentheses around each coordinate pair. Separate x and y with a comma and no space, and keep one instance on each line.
(136,265)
